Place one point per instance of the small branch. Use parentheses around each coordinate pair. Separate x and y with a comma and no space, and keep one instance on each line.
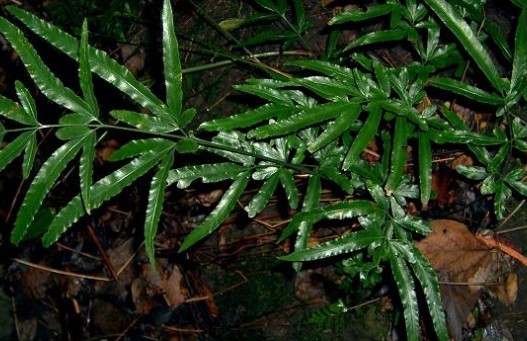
(61,272)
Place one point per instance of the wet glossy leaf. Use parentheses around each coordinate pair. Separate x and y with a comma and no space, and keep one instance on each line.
(465,90)
(311,201)
(73,125)
(378,37)
(14,111)
(519,64)
(370,13)
(328,69)
(398,155)
(29,156)
(85,76)
(187,145)
(425,167)
(171,63)
(406,288)
(503,193)
(260,200)
(499,158)
(156,197)
(334,129)
(138,147)
(152,124)
(364,137)
(302,120)
(100,63)
(472,172)
(86,168)
(215,172)
(288,183)
(41,185)
(467,38)
(338,211)
(14,149)
(426,276)
(28,103)
(222,210)
(46,81)
(249,118)
(341,245)
(101,191)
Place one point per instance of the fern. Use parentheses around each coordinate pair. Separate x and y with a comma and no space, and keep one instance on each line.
(316,124)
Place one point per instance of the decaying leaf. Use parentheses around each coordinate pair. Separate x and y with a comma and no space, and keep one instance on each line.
(465,265)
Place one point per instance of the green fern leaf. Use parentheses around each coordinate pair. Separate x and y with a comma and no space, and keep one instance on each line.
(46,81)
(249,118)
(334,129)
(401,108)
(86,168)
(260,200)
(304,119)
(73,125)
(28,103)
(428,279)
(338,211)
(147,123)
(468,39)
(356,16)
(328,88)
(103,190)
(414,224)
(228,144)
(288,183)
(29,156)
(331,70)
(100,63)
(364,137)
(348,243)
(272,95)
(519,63)
(14,111)
(85,76)
(41,185)
(208,173)
(399,155)
(465,90)
(138,147)
(378,37)
(156,198)
(405,285)
(311,201)
(14,148)
(220,212)
(172,66)
(425,167)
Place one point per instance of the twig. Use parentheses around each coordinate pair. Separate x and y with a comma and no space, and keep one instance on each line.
(15,318)
(129,260)
(182,330)
(87,255)
(61,272)
(102,251)
(510,215)
(512,229)
(221,292)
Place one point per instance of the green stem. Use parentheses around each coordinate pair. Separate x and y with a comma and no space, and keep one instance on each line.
(243,59)
(309,169)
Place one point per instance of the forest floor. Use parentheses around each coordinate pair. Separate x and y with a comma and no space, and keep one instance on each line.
(96,282)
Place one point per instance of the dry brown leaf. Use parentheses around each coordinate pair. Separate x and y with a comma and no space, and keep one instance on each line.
(464,266)
(174,287)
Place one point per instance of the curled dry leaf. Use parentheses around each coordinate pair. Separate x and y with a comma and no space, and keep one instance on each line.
(465,265)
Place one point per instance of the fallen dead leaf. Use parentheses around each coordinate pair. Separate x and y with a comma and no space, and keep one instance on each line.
(465,265)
